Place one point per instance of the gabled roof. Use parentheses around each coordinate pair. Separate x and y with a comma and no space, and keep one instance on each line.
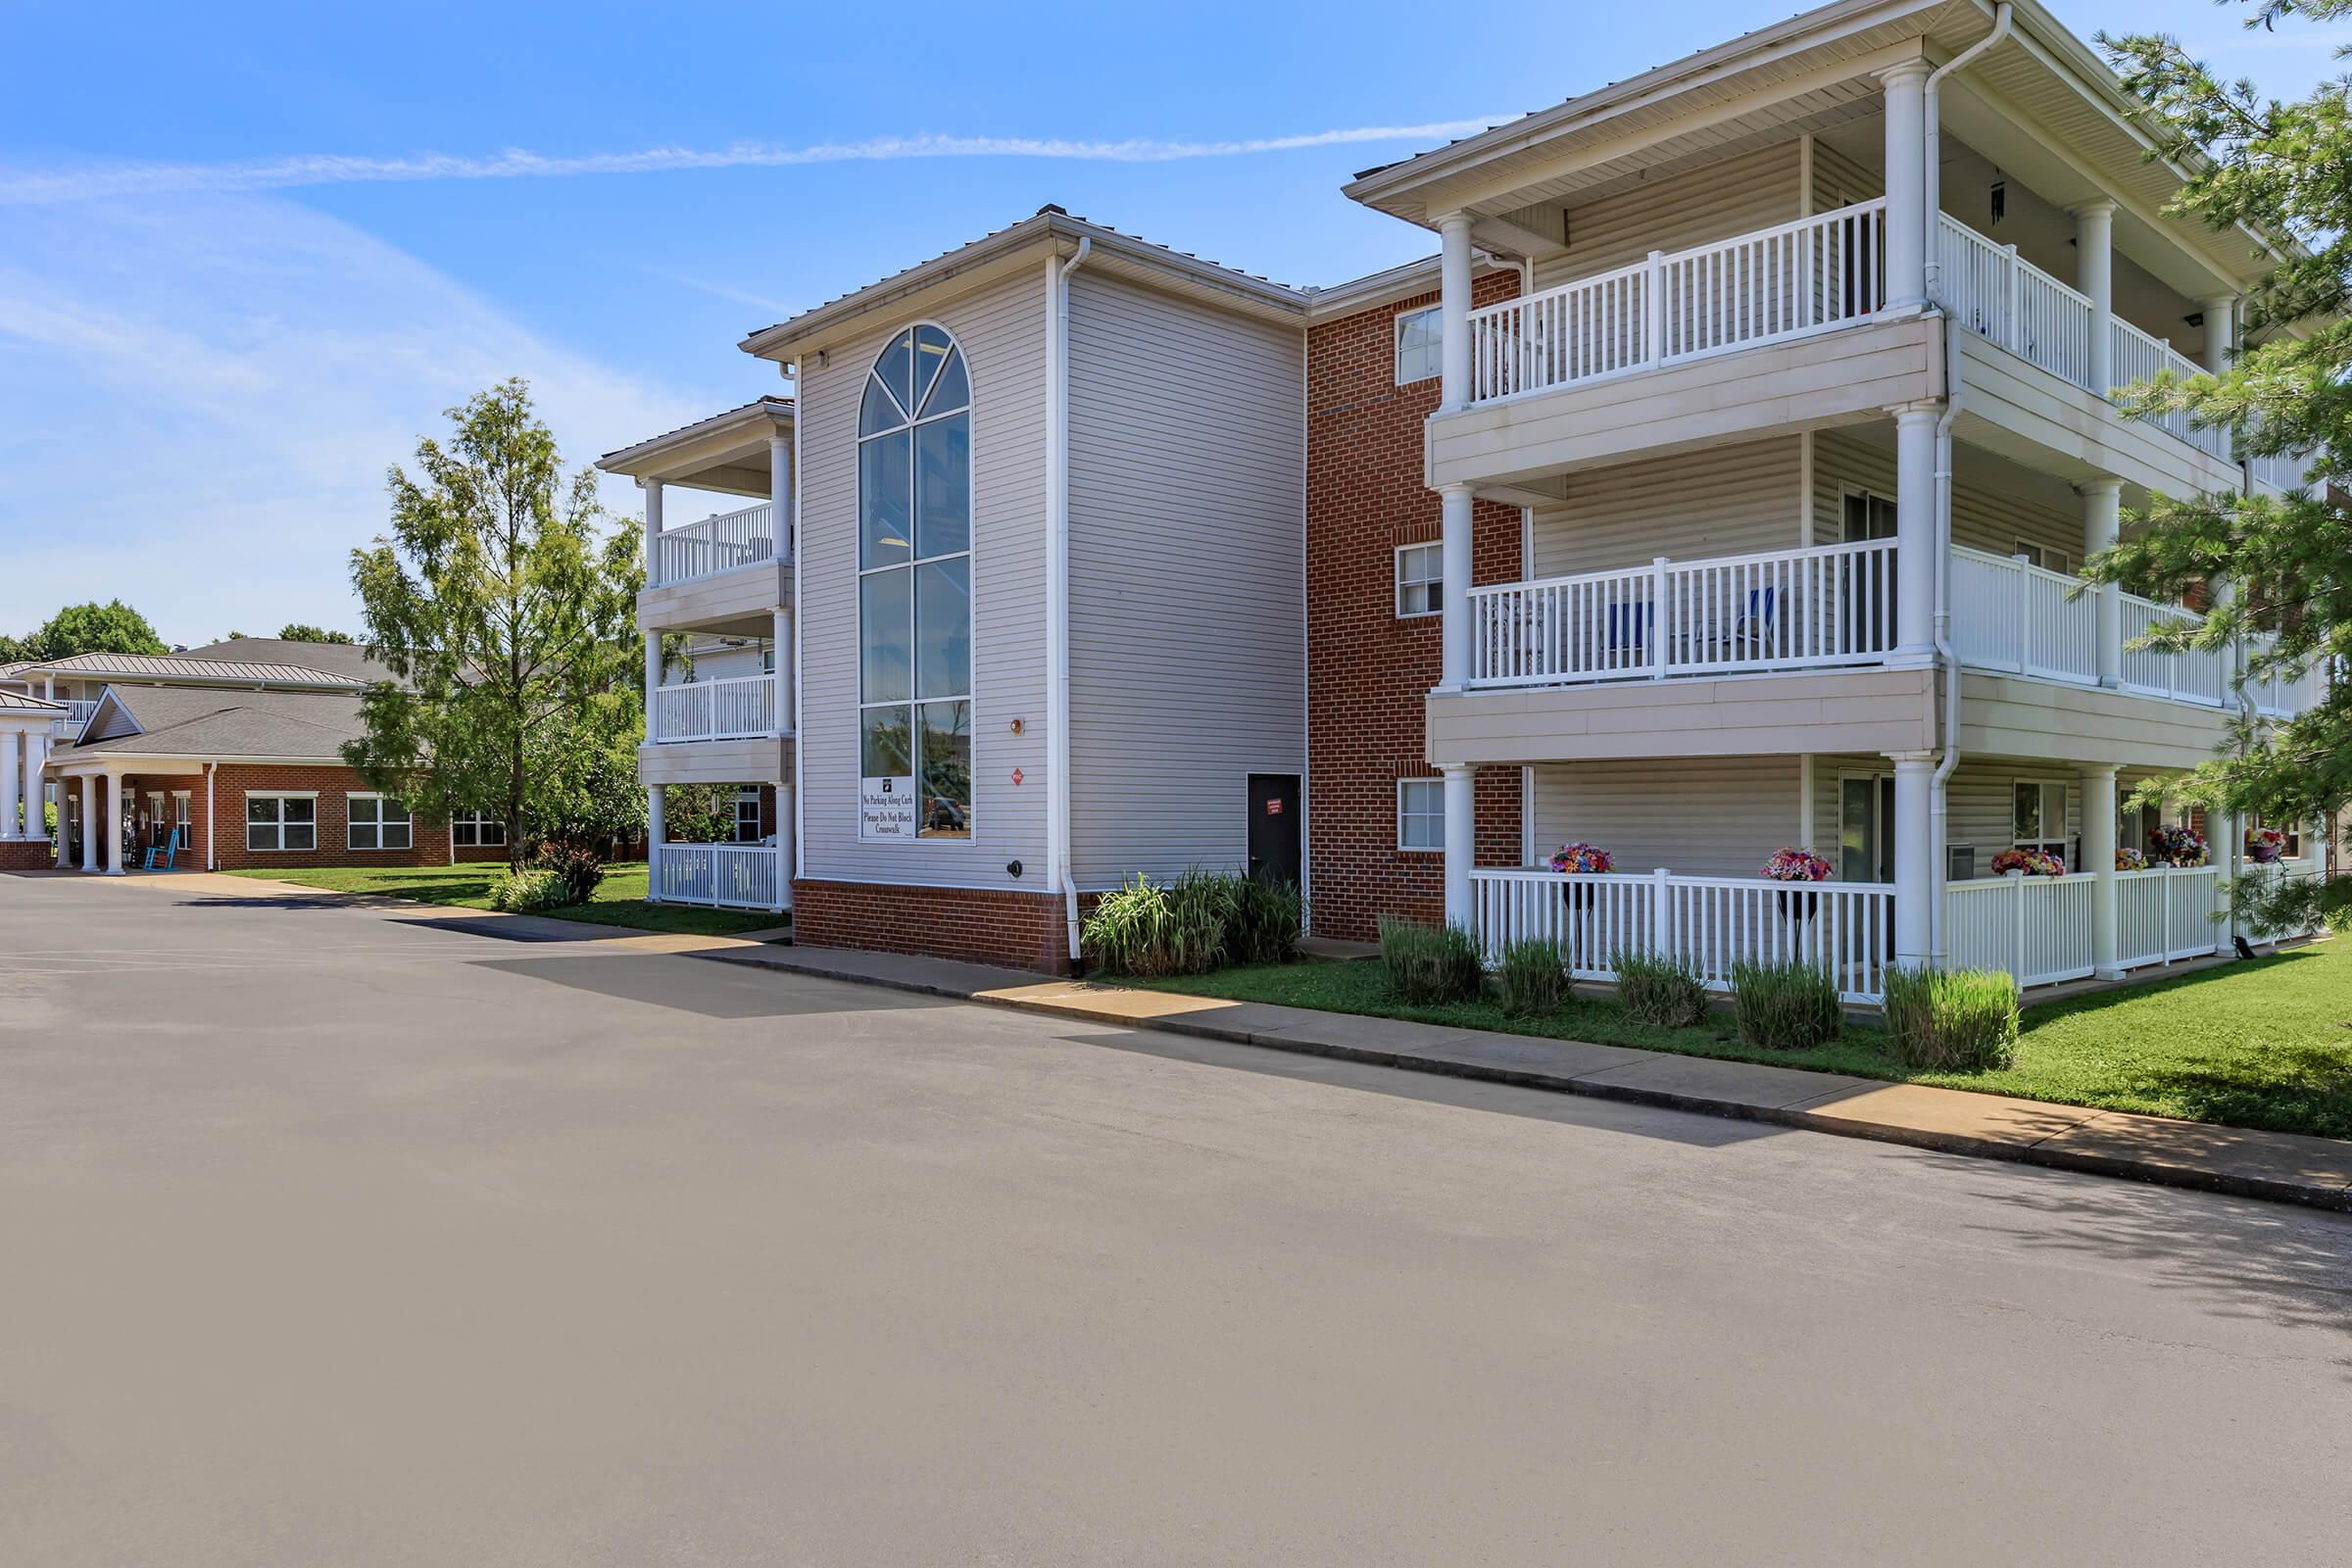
(19,702)
(346,660)
(196,722)
(201,667)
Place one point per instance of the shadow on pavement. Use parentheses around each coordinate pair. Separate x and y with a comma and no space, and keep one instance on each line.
(709,990)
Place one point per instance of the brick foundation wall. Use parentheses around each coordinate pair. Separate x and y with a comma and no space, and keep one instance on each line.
(1017,930)
(27,855)
(1367,669)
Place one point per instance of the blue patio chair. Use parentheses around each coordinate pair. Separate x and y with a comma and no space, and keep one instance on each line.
(1755,630)
(169,850)
(1629,632)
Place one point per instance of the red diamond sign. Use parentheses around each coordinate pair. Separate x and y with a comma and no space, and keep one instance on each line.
(1016,775)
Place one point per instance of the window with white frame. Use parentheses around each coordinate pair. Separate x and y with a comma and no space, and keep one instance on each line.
(1421,814)
(1420,579)
(2039,817)
(179,812)
(474,831)
(914,586)
(377,822)
(1420,344)
(2045,556)
(746,816)
(1867,516)
(2136,825)
(275,822)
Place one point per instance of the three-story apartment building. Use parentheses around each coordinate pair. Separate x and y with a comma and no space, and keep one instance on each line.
(1718,487)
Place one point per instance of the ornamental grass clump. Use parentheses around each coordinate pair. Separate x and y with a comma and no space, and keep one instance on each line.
(1962,1021)
(530,890)
(1144,928)
(1428,965)
(1659,990)
(1785,1007)
(1532,979)
(1267,920)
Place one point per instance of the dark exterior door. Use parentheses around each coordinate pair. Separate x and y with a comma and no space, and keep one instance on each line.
(1274,827)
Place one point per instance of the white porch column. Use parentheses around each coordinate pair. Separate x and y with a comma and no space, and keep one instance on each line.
(114,824)
(2095,275)
(1918,879)
(1915,528)
(2221,330)
(12,790)
(1461,845)
(1453,311)
(2102,525)
(89,821)
(1454,593)
(781,640)
(2098,857)
(1907,214)
(779,494)
(656,831)
(653,531)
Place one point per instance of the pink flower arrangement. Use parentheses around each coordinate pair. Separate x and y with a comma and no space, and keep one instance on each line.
(1793,864)
(2032,863)
(2128,858)
(2265,844)
(2178,846)
(1579,856)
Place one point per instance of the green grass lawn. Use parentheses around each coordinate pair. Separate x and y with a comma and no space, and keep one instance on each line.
(2265,1044)
(620,899)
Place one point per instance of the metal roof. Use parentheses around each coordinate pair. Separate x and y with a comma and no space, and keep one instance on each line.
(201,667)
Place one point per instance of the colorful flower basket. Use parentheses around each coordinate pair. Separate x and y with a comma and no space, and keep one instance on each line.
(2265,845)
(2030,862)
(2128,858)
(1793,864)
(2177,847)
(1580,857)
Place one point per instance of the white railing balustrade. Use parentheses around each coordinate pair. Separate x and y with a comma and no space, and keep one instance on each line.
(1709,922)
(2283,470)
(740,707)
(2036,928)
(2165,913)
(66,726)
(2016,618)
(2141,358)
(1763,287)
(1993,291)
(2283,695)
(1784,609)
(716,544)
(2191,676)
(729,876)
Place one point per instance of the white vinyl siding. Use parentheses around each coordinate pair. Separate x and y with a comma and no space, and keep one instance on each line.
(1733,195)
(1995,502)
(1001,329)
(1980,801)
(1703,817)
(1187,640)
(1726,500)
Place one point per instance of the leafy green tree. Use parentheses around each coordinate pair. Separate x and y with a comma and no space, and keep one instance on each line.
(2282,170)
(113,627)
(507,616)
(294,632)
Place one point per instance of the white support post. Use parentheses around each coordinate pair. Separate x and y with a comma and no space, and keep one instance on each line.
(1915,529)
(2220,331)
(653,681)
(1660,630)
(779,494)
(1453,312)
(2024,616)
(2094,276)
(2102,526)
(655,832)
(781,640)
(11,793)
(2099,854)
(1906,245)
(1453,592)
(1915,868)
(652,532)
(89,823)
(1661,912)
(114,824)
(1653,309)
(1461,844)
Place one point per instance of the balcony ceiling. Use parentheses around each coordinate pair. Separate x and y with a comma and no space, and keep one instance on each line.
(726,452)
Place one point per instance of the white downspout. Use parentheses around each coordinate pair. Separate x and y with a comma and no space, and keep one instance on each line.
(1935,135)
(1939,793)
(1057,583)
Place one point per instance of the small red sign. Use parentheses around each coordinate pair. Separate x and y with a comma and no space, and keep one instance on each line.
(1274,806)
(1016,775)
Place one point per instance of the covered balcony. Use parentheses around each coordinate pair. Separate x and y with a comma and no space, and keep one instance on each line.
(728,709)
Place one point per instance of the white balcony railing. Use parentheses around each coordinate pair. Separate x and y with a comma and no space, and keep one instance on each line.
(1764,287)
(1709,922)
(2141,358)
(2037,929)
(2283,470)
(2192,675)
(1785,609)
(716,544)
(740,707)
(1993,291)
(2018,618)
(727,876)
(2284,696)
(66,726)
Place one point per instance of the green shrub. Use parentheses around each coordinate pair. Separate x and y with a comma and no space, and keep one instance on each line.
(1145,929)
(1266,922)
(1533,981)
(1429,963)
(578,866)
(1785,1007)
(530,888)
(1954,1019)
(1659,990)
(1199,904)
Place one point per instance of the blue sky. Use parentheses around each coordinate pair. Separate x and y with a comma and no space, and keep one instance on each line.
(249,253)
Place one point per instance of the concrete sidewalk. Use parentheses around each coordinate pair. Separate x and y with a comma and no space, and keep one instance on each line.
(2283,1167)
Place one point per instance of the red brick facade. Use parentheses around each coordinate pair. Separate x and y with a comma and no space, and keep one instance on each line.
(153,819)
(1368,669)
(27,855)
(1018,930)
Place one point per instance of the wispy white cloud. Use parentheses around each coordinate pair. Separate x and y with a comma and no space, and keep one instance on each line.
(200,394)
(98,182)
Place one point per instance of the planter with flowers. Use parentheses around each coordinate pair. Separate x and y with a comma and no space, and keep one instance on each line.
(1580,860)
(2023,862)
(1791,864)
(2128,858)
(2177,847)
(2265,845)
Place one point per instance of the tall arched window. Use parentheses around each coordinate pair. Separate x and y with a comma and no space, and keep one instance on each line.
(915,591)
